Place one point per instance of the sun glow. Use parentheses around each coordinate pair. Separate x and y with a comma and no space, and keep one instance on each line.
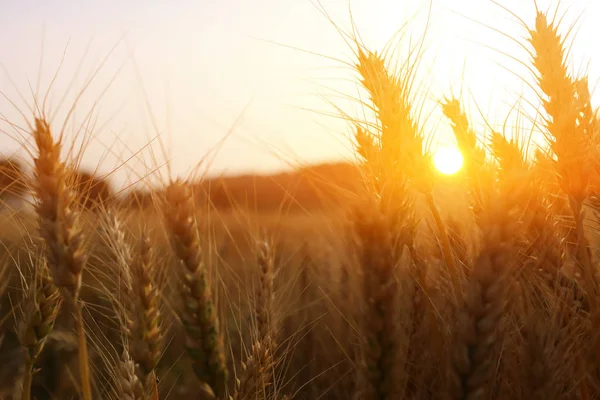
(448,160)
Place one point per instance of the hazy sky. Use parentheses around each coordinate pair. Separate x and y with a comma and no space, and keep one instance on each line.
(191,71)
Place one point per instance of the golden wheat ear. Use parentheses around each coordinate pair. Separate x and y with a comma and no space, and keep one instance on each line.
(264,300)
(393,153)
(139,308)
(204,340)
(128,386)
(58,220)
(258,371)
(41,309)
(255,372)
(569,128)
(150,333)
(59,227)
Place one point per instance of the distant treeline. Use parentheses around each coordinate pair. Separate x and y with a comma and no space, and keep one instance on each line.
(91,190)
(322,186)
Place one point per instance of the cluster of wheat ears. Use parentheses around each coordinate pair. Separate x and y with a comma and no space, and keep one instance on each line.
(507,308)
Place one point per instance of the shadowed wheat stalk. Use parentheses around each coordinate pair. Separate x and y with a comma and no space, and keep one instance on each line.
(379,377)
(480,320)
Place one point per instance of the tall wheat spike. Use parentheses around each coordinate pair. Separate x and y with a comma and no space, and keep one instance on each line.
(474,156)
(203,336)
(146,329)
(569,124)
(60,229)
(400,141)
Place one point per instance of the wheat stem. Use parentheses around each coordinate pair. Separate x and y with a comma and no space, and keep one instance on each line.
(84,366)
(27,379)
(446,247)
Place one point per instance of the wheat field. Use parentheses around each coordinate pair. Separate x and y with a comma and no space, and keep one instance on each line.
(413,286)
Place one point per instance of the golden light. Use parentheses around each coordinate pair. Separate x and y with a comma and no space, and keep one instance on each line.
(448,160)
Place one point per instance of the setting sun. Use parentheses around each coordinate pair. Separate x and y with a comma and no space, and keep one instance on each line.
(448,160)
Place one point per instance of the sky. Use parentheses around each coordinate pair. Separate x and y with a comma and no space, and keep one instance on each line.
(236,86)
